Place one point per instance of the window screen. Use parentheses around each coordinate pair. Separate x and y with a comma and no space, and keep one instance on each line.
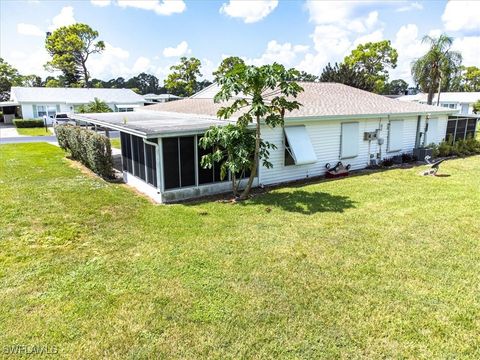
(395,135)
(126,146)
(187,161)
(461,128)
(205,176)
(151,162)
(171,169)
(138,157)
(451,125)
(349,140)
(471,128)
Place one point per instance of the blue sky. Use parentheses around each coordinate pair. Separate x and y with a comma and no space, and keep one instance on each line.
(151,35)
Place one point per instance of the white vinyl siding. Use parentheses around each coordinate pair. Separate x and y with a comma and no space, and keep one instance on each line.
(395,135)
(300,146)
(349,140)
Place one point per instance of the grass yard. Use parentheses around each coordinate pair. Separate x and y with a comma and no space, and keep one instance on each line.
(34,131)
(115,142)
(385,265)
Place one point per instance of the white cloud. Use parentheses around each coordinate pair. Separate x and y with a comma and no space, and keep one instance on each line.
(469,46)
(461,15)
(177,51)
(64,18)
(165,7)
(249,12)
(29,29)
(30,62)
(110,63)
(409,46)
(101,3)
(375,36)
(142,64)
(282,53)
(409,7)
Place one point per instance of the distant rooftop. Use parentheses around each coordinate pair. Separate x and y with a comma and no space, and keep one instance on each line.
(74,95)
(160,96)
(453,97)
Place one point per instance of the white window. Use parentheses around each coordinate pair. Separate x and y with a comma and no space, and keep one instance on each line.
(51,110)
(41,111)
(395,135)
(299,146)
(349,140)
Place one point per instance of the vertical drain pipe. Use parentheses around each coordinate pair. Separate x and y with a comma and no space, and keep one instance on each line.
(417,137)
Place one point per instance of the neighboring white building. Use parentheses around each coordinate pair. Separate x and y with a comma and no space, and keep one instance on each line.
(335,123)
(154,98)
(462,102)
(35,102)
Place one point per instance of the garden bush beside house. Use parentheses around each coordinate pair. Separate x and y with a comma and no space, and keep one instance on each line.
(28,123)
(91,149)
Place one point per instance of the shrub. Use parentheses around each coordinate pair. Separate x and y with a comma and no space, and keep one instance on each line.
(387,162)
(407,158)
(91,149)
(28,123)
(467,147)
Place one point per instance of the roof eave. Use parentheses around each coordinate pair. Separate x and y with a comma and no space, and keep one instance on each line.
(365,116)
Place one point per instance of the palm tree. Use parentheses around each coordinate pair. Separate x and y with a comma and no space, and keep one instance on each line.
(433,70)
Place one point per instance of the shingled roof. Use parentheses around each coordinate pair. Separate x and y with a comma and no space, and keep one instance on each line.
(319,100)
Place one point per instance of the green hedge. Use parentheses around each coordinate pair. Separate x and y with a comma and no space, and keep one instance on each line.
(467,147)
(28,123)
(91,149)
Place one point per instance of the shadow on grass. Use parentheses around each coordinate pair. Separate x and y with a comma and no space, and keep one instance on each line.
(305,202)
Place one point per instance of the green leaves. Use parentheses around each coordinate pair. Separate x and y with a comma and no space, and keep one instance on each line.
(70,47)
(96,106)
(183,80)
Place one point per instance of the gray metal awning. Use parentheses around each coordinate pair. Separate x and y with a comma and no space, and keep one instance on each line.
(152,124)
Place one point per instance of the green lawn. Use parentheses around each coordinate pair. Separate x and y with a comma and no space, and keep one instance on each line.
(115,143)
(385,265)
(34,131)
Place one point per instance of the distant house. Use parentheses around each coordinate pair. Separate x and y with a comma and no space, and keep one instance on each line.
(35,102)
(161,156)
(462,102)
(154,98)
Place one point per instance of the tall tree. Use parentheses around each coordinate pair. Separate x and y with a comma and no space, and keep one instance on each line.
(375,59)
(183,80)
(435,68)
(266,93)
(9,76)
(306,77)
(226,65)
(70,47)
(31,80)
(145,83)
(343,74)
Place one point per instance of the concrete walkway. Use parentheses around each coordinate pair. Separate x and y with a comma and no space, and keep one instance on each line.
(8,131)
(27,139)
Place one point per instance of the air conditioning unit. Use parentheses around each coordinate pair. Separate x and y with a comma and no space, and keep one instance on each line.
(370,135)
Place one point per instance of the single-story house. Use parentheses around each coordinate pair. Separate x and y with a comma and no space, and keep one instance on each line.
(462,102)
(154,98)
(161,156)
(35,102)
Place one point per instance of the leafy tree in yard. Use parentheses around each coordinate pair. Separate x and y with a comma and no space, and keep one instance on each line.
(183,80)
(226,65)
(268,93)
(396,87)
(466,79)
(375,59)
(232,147)
(344,74)
(70,47)
(436,66)
(96,106)
(145,83)
(9,77)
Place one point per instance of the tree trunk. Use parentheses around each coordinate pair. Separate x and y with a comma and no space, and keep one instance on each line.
(439,89)
(234,187)
(431,92)
(85,74)
(253,170)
